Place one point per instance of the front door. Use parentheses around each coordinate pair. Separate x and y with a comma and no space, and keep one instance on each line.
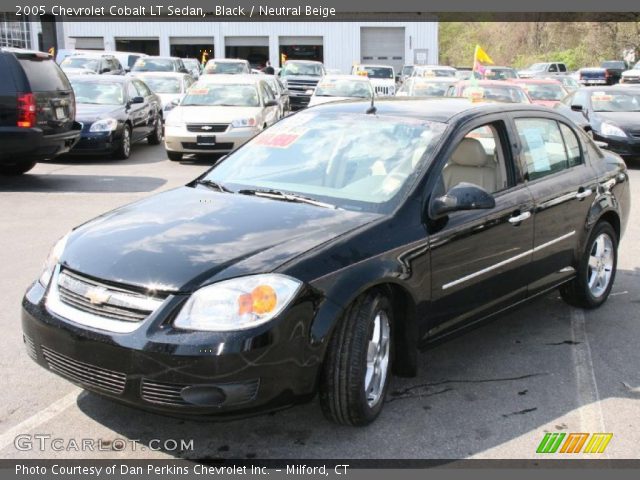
(479,257)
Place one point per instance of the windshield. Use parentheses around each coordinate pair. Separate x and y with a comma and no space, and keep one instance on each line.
(75,62)
(227,95)
(496,93)
(378,72)
(435,72)
(636,66)
(430,89)
(308,69)
(152,65)
(545,91)
(538,67)
(615,101)
(226,67)
(98,93)
(343,88)
(614,64)
(163,84)
(191,63)
(353,161)
(407,70)
(499,73)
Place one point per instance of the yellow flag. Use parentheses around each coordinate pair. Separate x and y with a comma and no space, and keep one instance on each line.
(481,56)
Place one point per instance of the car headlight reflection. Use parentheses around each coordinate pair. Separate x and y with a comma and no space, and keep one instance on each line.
(104,125)
(52,260)
(237,304)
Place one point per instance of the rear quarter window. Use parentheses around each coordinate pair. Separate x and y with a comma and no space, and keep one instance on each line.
(7,85)
(44,75)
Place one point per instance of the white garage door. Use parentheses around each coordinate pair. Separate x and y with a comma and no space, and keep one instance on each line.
(89,43)
(383,46)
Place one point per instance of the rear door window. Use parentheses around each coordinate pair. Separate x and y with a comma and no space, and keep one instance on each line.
(44,75)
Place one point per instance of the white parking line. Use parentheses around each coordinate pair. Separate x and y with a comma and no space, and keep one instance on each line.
(590,410)
(43,416)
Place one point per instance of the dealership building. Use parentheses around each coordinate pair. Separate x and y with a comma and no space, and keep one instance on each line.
(338,44)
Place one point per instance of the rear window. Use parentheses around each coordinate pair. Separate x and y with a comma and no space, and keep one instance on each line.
(44,75)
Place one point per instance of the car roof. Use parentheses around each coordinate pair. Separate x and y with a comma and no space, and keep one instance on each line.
(435,79)
(156,57)
(436,109)
(228,60)
(303,61)
(488,83)
(376,65)
(24,51)
(159,74)
(535,80)
(247,78)
(101,78)
(436,66)
(336,76)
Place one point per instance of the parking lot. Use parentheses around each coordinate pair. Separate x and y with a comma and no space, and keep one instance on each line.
(491,393)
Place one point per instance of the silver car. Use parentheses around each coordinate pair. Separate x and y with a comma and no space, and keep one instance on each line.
(169,86)
(218,114)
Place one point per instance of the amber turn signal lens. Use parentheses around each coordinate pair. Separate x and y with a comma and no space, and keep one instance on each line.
(264,299)
(261,300)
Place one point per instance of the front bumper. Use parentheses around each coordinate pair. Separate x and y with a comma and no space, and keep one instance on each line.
(99,143)
(161,369)
(625,147)
(179,139)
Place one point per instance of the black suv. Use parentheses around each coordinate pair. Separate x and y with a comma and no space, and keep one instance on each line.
(37,110)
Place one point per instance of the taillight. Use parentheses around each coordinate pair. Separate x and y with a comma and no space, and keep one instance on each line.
(26,110)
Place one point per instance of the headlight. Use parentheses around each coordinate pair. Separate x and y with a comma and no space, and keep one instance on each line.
(611,130)
(52,260)
(244,122)
(173,120)
(104,125)
(237,304)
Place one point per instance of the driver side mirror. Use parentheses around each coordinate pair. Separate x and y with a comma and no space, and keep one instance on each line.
(271,103)
(463,196)
(576,108)
(136,100)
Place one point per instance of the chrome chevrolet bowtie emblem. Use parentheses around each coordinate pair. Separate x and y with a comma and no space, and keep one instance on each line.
(207,127)
(97,295)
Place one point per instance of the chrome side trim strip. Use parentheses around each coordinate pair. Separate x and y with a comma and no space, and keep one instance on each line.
(490,268)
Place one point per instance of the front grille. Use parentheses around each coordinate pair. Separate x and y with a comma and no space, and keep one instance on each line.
(162,393)
(384,90)
(301,86)
(206,147)
(635,133)
(207,127)
(30,346)
(631,80)
(84,373)
(103,300)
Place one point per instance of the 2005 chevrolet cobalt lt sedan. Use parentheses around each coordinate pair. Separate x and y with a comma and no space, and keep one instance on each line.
(323,254)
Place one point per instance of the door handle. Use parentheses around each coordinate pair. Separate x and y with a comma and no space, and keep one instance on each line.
(584,193)
(519,218)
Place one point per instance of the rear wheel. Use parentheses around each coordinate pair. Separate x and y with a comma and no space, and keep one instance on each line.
(124,148)
(16,169)
(356,372)
(174,156)
(597,270)
(155,138)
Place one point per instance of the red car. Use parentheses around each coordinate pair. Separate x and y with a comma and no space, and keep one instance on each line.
(490,90)
(546,92)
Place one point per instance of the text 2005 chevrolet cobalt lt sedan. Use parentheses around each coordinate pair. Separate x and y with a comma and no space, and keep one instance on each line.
(322,254)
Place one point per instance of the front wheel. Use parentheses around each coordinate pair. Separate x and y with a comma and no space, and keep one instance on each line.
(357,368)
(155,138)
(124,147)
(597,270)
(16,168)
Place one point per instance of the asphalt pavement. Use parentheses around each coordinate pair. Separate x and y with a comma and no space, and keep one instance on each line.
(491,393)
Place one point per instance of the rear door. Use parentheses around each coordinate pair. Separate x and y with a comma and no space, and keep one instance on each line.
(138,113)
(55,102)
(151,104)
(563,186)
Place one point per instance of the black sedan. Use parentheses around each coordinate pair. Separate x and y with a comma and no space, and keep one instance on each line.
(608,114)
(114,113)
(323,254)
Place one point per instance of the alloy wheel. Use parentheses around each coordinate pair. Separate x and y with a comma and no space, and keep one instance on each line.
(377,359)
(600,269)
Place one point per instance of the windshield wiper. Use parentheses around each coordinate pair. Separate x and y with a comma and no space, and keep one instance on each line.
(215,185)
(287,197)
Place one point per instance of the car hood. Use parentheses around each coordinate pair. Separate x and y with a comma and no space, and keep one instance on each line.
(546,103)
(87,112)
(78,71)
(212,114)
(382,81)
(167,98)
(185,238)
(626,120)
(631,73)
(319,100)
(301,77)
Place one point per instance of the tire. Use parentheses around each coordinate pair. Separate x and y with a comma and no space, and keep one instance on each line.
(156,136)
(351,359)
(16,169)
(597,270)
(174,156)
(124,148)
